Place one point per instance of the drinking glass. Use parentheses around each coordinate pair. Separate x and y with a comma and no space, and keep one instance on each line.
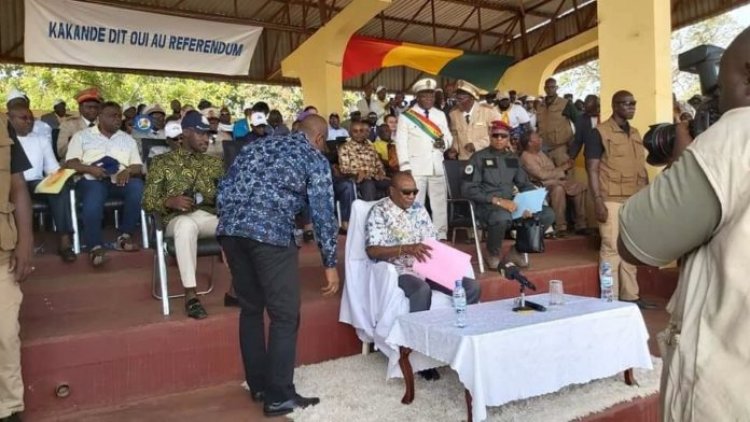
(556,294)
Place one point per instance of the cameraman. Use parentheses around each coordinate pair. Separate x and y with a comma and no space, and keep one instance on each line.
(699,211)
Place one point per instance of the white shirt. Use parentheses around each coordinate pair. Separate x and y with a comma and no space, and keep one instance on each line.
(90,146)
(42,128)
(517,115)
(337,133)
(38,149)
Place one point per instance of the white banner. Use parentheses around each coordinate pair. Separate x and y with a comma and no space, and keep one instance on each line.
(72,32)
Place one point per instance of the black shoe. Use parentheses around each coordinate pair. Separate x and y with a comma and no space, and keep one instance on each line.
(194,309)
(285,407)
(642,304)
(430,374)
(258,396)
(308,236)
(230,301)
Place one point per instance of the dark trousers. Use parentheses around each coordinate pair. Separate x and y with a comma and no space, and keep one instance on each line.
(369,188)
(419,291)
(265,277)
(59,206)
(499,221)
(94,193)
(344,192)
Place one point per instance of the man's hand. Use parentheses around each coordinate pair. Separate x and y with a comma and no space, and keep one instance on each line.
(332,282)
(506,204)
(420,251)
(97,172)
(179,203)
(470,148)
(123,177)
(567,165)
(20,261)
(601,211)
(527,214)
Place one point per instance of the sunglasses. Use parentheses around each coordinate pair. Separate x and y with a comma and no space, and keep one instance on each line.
(627,103)
(500,135)
(408,192)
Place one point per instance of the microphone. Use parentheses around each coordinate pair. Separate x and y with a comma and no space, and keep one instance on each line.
(510,271)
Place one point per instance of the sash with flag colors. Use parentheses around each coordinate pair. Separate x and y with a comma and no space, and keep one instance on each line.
(424,124)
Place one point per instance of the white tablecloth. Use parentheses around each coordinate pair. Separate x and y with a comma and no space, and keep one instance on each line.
(501,355)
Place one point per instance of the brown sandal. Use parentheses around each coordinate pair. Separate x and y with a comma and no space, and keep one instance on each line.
(125,243)
(97,256)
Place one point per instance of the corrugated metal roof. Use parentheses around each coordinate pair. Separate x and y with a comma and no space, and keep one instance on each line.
(457,24)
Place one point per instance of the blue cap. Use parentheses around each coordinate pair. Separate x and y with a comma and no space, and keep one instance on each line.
(193,119)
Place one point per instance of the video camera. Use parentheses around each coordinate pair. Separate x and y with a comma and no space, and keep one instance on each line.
(702,60)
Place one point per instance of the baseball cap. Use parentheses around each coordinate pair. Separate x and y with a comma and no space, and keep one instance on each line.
(173,129)
(193,119)
(57,102)
(258,119)
(154,108)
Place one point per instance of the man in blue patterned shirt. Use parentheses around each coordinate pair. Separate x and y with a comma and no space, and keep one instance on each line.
(271,181)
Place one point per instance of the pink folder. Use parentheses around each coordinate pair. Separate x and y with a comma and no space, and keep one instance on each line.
(445,266)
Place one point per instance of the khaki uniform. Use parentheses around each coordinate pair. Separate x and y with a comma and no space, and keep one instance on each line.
(476,131)
(706,349)
(11,384)
(542,171)
(69,127)
(555,129)
(622,173)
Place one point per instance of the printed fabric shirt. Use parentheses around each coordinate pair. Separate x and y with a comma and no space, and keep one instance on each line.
(271,181)
(389,225)
(178,172)
(355,157)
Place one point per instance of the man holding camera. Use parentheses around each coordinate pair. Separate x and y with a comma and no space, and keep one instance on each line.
(699,211)
(616,166)
(181,187)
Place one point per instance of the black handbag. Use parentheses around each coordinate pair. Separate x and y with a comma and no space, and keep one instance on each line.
(529,235)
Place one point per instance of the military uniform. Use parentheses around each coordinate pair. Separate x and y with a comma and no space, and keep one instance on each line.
(475,130)
(12,160)
(418,153)
(622,173)
(555,129)
(492,173)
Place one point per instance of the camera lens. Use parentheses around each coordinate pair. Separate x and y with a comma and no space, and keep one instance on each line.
(659,141)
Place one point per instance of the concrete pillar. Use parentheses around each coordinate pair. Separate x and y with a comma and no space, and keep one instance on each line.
(635,55)
(317,62)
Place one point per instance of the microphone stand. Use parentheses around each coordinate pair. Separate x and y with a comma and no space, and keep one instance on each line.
(527,305)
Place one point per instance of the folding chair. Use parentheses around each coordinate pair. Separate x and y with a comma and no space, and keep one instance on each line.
(453,171)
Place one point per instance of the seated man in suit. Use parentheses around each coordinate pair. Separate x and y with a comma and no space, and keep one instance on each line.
(111,165)
(489,181)
(38,149)
(181,187)
(543,171)
(395,229)
(359,160)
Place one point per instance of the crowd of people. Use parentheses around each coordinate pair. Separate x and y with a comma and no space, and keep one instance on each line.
(289,176)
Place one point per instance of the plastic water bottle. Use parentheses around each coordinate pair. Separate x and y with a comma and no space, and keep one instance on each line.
(459,304)
(605,281)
